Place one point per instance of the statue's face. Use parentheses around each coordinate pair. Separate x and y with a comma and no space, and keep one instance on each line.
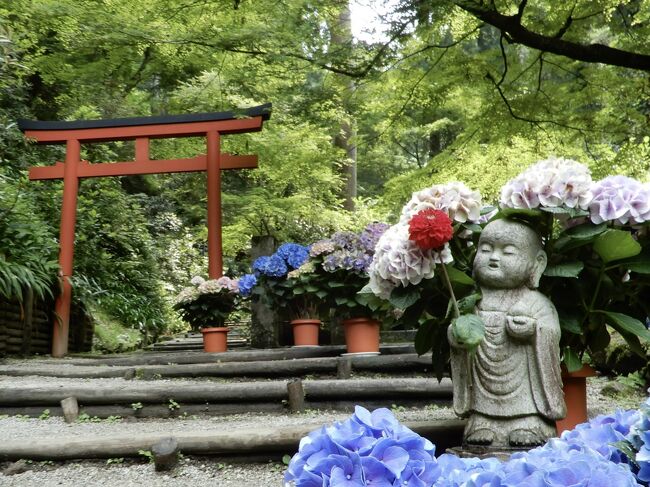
(505,257)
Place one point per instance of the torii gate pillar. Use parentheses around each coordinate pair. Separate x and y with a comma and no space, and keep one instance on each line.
(73,134)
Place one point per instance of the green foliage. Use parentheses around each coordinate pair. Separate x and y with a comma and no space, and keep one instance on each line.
(27,251)
(110,336)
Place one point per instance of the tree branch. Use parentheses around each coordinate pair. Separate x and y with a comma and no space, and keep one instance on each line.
(591,53)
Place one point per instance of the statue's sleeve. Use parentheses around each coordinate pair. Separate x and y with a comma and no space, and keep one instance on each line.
(461,375)
(544,359)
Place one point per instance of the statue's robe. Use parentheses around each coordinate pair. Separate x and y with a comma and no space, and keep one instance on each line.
(508,376)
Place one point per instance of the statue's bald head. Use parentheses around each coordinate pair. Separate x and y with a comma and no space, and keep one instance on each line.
(509,255)
(516,232)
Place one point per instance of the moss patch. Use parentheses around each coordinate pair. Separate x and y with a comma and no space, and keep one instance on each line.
(111,336)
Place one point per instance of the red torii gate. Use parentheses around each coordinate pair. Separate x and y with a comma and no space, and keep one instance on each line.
(142,129)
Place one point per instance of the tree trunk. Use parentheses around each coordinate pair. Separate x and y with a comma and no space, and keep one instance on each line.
(341,41)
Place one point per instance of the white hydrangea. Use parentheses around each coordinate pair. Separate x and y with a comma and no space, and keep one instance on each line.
(553,182)
(620,199)
(197,280)
(456,199)
(187,295)
(399,262)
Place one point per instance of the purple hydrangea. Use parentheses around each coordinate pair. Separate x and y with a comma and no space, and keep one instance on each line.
(348,250)
(246,284)
(620,199)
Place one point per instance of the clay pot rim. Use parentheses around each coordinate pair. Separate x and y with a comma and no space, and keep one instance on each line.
(359,319)
(306,321)
(585,371)
(215,329)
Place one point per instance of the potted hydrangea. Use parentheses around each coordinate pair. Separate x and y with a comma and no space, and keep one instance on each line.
(205,305)
(342,261)
(284,281)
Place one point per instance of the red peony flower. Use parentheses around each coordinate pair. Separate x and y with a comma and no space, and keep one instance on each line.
(430,229)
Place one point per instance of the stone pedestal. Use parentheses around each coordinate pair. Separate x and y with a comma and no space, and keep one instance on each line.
(500,453)
(264,320)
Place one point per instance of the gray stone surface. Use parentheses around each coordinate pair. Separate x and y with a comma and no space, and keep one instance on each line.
(511,387)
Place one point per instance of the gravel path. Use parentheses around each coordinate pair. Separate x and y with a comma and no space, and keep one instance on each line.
(198,471)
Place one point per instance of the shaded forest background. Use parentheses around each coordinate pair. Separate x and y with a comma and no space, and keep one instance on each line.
(450,90)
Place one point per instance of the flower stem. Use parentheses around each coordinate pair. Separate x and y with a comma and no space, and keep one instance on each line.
(451,289)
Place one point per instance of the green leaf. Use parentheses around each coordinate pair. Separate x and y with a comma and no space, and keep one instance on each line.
(585,231)
(623,322)
(340,300)
(321,294)
(561,210)
(311,288)
(298,290)
(627,448)
(571,324)
(571,360)
(634,343)
(467,304)
(404,297)
(334,284)
(514,212)
(639,263)
(566,269)
(615,245)
(424,337)
(468,330)
(598,339)
(366,290)
(473,227)
(459,277)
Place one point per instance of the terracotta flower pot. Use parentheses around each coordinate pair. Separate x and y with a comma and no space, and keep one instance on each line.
(361,335)
(575,397)
(305,332)
(215,339)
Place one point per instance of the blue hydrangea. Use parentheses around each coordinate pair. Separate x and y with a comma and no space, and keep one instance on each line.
(366,449)
(375,449)
(246,284)
(271,266)
(260,264)
(293,254)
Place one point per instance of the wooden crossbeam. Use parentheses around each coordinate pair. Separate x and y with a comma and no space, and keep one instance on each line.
(193,164)
(191,129)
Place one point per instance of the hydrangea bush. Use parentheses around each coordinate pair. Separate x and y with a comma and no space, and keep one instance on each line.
(207,303)
(342,264)
(374,449)
(595,233)
(596,238)
(404,268)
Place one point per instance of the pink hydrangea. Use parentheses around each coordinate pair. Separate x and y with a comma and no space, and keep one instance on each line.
(398,261)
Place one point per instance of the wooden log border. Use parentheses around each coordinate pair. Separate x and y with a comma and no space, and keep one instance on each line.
(257,440)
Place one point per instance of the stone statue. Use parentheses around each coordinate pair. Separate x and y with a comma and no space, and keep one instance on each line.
(510,388)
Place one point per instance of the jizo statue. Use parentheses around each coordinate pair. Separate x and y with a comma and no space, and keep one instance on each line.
(510,388)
